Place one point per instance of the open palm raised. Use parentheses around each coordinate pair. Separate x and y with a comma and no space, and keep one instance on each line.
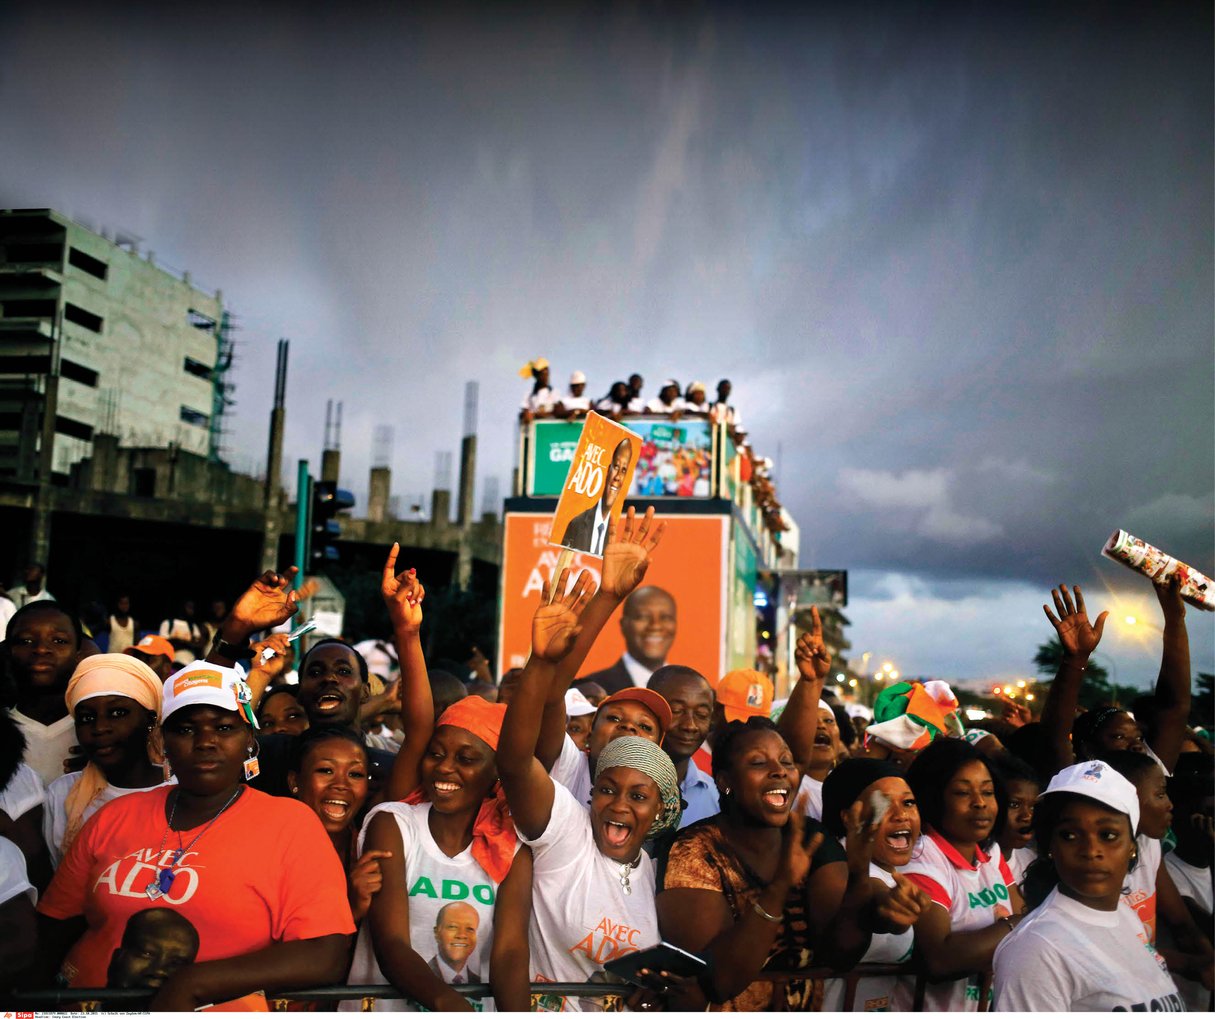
(555,624)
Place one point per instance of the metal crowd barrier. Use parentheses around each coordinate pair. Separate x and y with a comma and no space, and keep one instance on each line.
(93,999)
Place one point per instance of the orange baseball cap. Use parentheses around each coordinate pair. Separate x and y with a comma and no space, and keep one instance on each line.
(153,645)
(651,699)
(744,693)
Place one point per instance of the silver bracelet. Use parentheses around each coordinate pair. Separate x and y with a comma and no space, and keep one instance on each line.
(764,913)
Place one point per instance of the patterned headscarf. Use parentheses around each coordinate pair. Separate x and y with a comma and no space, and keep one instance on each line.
(652,761)
(107,676)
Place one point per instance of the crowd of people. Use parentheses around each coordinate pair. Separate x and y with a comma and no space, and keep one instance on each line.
(624,400)
(213,834)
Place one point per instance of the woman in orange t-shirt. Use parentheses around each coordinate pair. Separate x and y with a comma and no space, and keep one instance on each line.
(206,892)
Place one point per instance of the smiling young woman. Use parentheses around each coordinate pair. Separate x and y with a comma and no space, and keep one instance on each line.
(757,883)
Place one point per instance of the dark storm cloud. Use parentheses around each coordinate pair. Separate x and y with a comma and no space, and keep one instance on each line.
(958,262)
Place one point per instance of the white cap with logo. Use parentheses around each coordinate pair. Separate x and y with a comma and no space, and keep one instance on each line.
(576,703)
(206,683)
(1098,781)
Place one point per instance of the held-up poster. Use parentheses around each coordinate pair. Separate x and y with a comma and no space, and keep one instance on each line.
(598,480)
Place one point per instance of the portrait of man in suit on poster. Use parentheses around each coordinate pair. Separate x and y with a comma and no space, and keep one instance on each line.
(587,532)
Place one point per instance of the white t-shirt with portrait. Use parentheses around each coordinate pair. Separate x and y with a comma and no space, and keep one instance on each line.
(54,815)
(877,993)
(1067,957)
(582,917)
(435,882)
(975,895)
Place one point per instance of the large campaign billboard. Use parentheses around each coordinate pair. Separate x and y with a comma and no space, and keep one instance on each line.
(675,459)
(690,565)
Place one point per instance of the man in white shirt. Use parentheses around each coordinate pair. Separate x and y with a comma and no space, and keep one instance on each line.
(455,941)
(648,625)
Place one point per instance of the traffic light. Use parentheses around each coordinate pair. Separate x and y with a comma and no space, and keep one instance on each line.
(327,501)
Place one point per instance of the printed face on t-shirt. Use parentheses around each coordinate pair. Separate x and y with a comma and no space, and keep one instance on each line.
(155,944)
(456,934)
(1091,845)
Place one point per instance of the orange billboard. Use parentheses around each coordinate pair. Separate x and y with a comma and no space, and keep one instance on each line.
(690,565)
(598,480)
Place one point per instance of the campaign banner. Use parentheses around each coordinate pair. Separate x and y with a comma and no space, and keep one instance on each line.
(676,459)
(595,487)
(689,568)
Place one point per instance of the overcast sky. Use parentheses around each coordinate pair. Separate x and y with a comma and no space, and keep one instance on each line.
(957,261)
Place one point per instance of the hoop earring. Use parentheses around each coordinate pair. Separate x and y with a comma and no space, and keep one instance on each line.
(252,768)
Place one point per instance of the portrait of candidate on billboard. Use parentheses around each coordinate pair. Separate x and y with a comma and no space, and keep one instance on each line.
(595,487)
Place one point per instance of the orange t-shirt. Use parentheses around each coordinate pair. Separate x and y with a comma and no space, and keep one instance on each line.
(264,873)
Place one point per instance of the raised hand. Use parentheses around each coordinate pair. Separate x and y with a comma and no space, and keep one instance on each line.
(555,624)
(276,664)
(1013,714)
(904,904)
(860,833)
(1078,637)
(626,553)
(811,655)
(364,881)
(403,594)
(795,852)
(269,601)
(1169,596)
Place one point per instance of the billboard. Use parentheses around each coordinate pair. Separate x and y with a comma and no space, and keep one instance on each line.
(690,565)
(676,457)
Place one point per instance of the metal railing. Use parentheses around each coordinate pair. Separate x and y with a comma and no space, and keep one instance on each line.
(86,999)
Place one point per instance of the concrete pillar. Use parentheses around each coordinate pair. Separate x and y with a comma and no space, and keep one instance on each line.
(468,476)
(274,459)
(331,463)
(440,507)
(377,494)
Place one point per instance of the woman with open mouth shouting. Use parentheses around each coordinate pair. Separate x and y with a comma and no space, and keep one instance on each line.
(592,893)
(754,886)
(869,806)
(975,901)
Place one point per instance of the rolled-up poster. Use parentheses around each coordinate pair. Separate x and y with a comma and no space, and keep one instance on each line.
(1196,588)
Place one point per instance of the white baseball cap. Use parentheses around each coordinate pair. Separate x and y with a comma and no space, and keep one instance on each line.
(576,703)
(1098,781)
(206,683)
(578,378)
